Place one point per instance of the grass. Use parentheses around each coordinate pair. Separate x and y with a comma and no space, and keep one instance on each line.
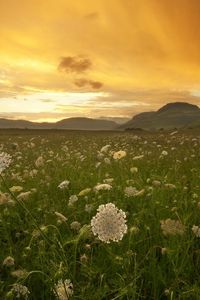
(146,264)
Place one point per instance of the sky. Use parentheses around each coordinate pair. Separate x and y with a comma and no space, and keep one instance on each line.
(102,58)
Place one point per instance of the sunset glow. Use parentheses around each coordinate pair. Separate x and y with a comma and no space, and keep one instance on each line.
(114,58)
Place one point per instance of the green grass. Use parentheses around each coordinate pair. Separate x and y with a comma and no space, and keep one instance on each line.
(134,268)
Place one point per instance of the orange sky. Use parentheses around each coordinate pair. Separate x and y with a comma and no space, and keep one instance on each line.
(97,58)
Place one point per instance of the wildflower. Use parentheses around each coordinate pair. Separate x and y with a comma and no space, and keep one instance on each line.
(84,258)
(20,273)
(163,251)
(8,261)
(75,226)
(109,224)
(20,290)
(5,161)
(156,183)
(88,208)
(16,189)
(134,229)
(172,227)
(107,161)
(39,162)
(24,196)
(64,184)
(105,148)
(140,193)
(170,186)
(108,180)
(72,200)
(60,216)
(134,170)
(84,192)
(4,198)
(64,289)
(138,157)
(97,164)
(103,186)
(196,230)
(164,153)
(119,154)
(130,191)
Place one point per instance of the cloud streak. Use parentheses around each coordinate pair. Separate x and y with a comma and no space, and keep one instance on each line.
(82,82)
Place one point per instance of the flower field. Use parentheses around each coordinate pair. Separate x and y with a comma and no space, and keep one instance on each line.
(99,215)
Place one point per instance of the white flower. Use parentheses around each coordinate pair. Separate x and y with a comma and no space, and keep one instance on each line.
(8,261)
(172,227)
(130,191)
(75,226)
(196,230)
(119,154)
(72,200)
(164,153)
(170,186)
(20,290)
(39,162)
(60,216)
(109,224)
(105,148)
(138,157)
(64,184)
(24,196)
(64,289)
(134,170)
(5,161)
(102,186)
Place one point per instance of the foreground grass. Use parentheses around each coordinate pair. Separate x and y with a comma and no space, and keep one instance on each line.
(147,263)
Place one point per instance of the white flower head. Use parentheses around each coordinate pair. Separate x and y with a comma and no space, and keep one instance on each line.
(102,186)
(64,184)
(20,291)
(109,224)
(196,230)
(5,161)
(64,289)
(119,154)
(172,227)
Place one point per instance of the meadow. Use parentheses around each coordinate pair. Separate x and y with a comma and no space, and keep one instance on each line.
(50,192)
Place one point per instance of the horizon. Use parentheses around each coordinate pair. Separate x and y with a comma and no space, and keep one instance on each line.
(97,59)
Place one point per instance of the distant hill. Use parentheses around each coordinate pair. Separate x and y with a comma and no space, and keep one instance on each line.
(171,115)
(71,123)
(86,124)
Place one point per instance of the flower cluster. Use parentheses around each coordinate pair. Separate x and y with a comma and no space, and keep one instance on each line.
(119,154)
(20,291)
(5,161)
(109,224)
(172,227)
(64,184)
(64,289)
(196,230)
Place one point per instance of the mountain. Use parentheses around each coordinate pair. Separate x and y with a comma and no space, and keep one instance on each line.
(71,123)
(171,115)
(85,124)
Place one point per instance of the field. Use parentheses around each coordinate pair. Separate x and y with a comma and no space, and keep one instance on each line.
(48,247)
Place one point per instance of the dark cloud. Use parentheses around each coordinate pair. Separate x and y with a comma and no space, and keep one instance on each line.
(82,82)
(75,64)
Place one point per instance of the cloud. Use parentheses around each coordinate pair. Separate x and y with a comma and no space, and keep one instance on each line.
(74,64)
(82,82)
